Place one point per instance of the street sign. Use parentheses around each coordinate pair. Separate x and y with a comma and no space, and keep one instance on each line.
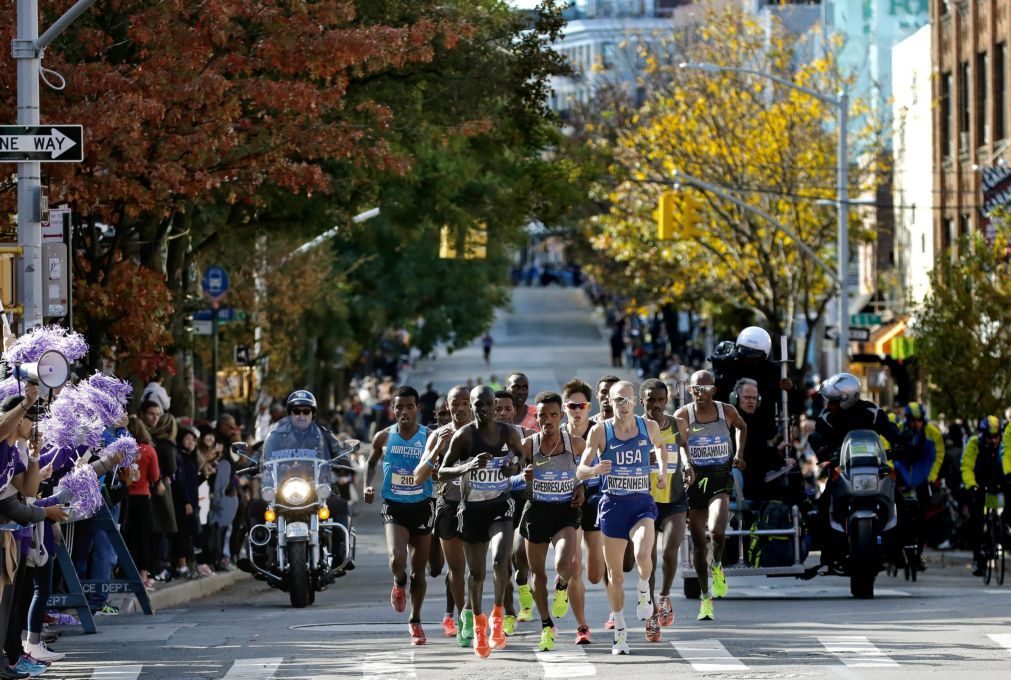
(865,320)
(860,334)
(831,333)
(43,143)
(215,283)
(52,229)
(202,327)
(242,354)
(225,314)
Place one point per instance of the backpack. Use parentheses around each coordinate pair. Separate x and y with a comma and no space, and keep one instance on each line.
(773,551)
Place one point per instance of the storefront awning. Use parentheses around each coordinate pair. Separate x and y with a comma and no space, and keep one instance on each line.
(890,340)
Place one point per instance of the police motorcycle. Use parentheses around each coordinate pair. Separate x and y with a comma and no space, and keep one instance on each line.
(861,511)
(299,547)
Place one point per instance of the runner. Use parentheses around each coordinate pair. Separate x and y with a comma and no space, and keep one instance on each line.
(671,504)
(408,510)
(484,453)
(518,385)
(551,513)
(576,395)
(505,412)
(627,510)
(447,507)
(704,426)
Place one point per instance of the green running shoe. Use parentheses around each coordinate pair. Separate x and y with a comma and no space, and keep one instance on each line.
(547,640)
(560,605)
(706,610)
(509,624)
(719,582)
(465,628)
(526,612)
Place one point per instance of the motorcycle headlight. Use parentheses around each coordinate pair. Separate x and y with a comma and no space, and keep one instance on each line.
(268,494)
(864,483)
(296,491)
(323,491)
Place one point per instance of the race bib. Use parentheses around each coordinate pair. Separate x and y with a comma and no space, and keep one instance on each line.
(402,483)
(709,450)
(554,486)
(490,477)
(628,478)
(672,460)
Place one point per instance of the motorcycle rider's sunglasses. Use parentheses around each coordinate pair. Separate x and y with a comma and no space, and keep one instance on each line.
(301,411)
(576,405)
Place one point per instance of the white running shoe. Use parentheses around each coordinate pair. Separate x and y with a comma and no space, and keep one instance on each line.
(620,642)
(42,653)
(644,608)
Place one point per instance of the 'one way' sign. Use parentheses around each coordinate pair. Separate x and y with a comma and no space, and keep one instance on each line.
(44,143)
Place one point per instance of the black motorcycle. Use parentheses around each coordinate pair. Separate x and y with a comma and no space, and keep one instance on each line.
(299,547)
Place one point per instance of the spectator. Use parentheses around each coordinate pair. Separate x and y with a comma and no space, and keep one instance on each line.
(163,514)
(156,392)
(227,430)
(186,499)
(486,343)
(223,509)
(137,528)
(426,405)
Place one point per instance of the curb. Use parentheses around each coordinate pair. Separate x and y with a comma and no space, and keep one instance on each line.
(180,593)
(948,558)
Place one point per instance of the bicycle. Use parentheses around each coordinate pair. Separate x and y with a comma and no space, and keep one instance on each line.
(994,554)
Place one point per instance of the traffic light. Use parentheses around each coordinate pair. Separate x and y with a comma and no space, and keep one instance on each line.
(665,216)
(679,215)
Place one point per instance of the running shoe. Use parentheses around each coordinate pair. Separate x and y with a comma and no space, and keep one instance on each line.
(706,610)
(509,624)
(644,607)
(652,629)
(547,643)
(481,646)
(39,652)
(609,625)
(583,635)
(449,625)
(620,645)
(26,665)
(719,582)
(107,610)
(417,634)
(526,612)
(666,613)
(398,599)
(560,605)
(498,636)
(465,628)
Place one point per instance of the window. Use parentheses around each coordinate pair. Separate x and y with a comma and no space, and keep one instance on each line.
(948,237)
(947,138)
(982,104)
(963,108)
(1000,92)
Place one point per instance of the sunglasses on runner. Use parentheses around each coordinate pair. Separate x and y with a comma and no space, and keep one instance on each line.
(576,405)
(624,401)
(702,389)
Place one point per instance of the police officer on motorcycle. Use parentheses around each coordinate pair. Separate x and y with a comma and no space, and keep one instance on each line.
(301,430)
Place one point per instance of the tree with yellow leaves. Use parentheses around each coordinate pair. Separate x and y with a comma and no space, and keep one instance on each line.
(768,145)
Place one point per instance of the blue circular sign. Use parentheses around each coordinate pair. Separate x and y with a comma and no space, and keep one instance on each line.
(215,282)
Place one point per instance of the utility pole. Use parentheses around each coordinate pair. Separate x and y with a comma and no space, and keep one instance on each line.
(27,49)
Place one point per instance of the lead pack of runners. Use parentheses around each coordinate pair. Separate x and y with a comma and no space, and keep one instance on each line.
(611,493)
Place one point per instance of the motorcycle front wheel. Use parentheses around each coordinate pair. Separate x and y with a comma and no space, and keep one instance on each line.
(863,558)
(298,575)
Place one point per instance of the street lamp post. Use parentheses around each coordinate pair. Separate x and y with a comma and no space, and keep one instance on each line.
(842,193)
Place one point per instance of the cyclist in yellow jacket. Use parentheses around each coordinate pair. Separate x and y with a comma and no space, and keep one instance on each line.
(986,468)
(916,420)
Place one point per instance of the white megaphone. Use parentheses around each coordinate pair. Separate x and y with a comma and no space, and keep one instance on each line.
(49,372)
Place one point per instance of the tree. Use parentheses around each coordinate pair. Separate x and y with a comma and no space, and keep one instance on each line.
(962,329)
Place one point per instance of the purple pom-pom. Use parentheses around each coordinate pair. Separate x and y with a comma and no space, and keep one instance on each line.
(120,390)
(36,342)
(73,420)
(9,387)
(126,445)
(82,485)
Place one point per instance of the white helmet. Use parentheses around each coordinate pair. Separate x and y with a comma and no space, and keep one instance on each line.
(754,341)
(843,388)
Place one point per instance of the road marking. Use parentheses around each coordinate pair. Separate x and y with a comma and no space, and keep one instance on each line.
(1002,639)
(253,669)
(131,672)
(389,666)
(567,663)
(856,651)
(353,628)
(707,655)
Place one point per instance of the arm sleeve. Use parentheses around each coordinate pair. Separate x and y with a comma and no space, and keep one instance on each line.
(19,512)
(153,473)
(935,436)
(969,455)
(1005,450)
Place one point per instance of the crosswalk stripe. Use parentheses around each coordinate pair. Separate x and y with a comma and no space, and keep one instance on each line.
(389,666)
(707,655)
(253,669)
(130,672)
(566,663)
(856,651)
(1002,639)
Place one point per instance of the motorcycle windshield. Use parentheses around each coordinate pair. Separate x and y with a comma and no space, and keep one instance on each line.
(289,442)
(862,448)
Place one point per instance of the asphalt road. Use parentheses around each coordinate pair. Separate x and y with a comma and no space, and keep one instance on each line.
(946,625)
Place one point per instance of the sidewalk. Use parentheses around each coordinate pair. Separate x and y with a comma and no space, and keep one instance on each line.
(178,592)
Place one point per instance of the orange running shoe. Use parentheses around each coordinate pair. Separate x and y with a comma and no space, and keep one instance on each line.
(449,625)
(417,634)
(652,629)
(498,636)
(398,599)
(666,611)
(481,646)
(583,635)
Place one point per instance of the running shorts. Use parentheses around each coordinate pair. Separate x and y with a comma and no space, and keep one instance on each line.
(619,514)
(541,521)
(477,518)
(417,518)
(588,513)
(707,487)
(447,520)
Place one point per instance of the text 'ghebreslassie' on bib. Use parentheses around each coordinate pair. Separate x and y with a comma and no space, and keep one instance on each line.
(554,486)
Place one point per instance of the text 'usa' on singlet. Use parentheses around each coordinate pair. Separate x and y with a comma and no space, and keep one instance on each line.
(554,476)
(399,460)
(630,460)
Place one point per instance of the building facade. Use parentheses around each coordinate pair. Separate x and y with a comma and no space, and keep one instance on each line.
(970,121)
